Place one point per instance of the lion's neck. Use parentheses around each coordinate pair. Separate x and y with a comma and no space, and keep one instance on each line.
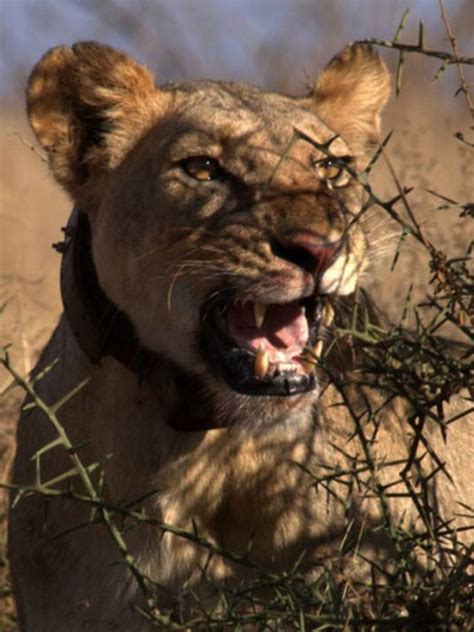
(239,484)
(235,488)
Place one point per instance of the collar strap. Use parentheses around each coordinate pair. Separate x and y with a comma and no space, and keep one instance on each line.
(102,329)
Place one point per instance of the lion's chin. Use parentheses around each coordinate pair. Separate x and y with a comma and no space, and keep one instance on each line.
(263,349)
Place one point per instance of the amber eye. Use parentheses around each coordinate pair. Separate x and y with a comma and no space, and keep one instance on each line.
(333,172)
(202,168)
(329,170)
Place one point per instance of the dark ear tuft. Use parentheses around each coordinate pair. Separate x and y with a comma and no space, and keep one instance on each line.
(86,105)
(351,93)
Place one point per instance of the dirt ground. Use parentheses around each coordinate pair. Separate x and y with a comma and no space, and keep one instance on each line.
(32,210)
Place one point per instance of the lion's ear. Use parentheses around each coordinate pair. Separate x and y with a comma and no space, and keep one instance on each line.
(87,105)
(350,94)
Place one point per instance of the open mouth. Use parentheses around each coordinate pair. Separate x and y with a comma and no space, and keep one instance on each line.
(264,349)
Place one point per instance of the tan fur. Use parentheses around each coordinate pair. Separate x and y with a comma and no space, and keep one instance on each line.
(349,105)
(161,244)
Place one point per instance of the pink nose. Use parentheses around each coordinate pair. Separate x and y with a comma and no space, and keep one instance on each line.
(307,250)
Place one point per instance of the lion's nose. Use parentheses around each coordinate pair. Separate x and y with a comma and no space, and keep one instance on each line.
(306,249)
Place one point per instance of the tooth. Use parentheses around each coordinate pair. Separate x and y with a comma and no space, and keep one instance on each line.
(262,363)
(328,314)
(317,349)
(259,310)
(309,360)
(308,364)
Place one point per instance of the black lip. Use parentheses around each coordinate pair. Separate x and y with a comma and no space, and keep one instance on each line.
(235,364)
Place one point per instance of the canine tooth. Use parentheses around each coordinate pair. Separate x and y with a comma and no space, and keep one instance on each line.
(328,314)
(317,349)
(259,310)
(262,363)
(308,364)
(309,359)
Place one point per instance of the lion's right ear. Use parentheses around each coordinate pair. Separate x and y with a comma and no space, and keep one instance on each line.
(87,105)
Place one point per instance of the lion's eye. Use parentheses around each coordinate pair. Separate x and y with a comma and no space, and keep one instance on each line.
(333,172)
(329,170)
(202,168)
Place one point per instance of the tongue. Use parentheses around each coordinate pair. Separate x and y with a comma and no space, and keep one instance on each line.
(283,335)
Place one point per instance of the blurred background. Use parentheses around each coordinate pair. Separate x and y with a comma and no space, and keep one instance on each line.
(277,44)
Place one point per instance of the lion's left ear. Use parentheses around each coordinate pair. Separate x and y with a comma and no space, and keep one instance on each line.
(351,93)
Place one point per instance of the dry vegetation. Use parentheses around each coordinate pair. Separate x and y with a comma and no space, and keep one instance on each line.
(32,210)
(424,153)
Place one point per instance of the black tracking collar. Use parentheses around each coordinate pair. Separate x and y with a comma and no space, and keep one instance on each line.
(102,329)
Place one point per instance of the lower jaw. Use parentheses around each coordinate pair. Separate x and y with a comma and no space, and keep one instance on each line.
(258,410)
(204,401)
(282,385)
(239,376)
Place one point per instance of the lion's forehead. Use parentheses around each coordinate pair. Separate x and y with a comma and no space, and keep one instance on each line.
(228,110)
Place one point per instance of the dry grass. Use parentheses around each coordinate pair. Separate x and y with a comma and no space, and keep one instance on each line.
(32,209)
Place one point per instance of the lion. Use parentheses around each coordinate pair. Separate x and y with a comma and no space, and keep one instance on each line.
(216,246)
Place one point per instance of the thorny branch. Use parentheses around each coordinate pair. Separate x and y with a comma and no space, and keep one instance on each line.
(79,470)
(448,58)
(419,47)
(463,87)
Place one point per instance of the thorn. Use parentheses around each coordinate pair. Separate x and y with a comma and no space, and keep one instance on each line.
(60,246)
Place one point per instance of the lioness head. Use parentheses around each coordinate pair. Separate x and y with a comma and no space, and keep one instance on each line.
(224,219)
